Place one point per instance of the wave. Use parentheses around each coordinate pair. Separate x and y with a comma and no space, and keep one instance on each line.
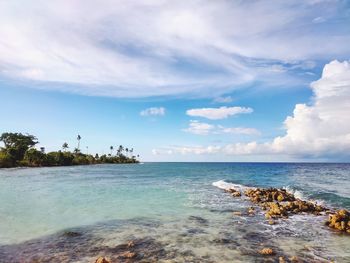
(298,194)
(226,186)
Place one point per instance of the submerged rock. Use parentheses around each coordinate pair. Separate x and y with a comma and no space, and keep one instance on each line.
(237,213)
(128,254)
(131,244)
(71,234)
(294,259)
(340,220)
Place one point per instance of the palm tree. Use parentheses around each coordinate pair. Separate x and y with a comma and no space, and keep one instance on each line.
(120,150)
(76,151)
(65,146)
(78,138)
(111,148)
(127,151)
(132,151)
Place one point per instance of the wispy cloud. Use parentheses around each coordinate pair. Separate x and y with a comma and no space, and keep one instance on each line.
(201,128)
(153,111)
(110,53)
(218,113)
(226,99)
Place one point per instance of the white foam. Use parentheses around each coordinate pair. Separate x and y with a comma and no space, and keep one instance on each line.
(226,186)
(298,194)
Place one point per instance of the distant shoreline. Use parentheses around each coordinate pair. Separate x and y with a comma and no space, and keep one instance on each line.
(52,166)
(19,151)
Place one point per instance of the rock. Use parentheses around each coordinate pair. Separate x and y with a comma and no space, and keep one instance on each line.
(131,244)
(259,195)
(237,213)
(281,260)
(251,210)
(283,209)
(339,220)
(278,203)
(128,254)
(234,192)
(294,259)
(272,222)
(71,234)
(266,251)
(102,260)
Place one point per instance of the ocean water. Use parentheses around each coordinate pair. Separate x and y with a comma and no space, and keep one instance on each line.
(174,212)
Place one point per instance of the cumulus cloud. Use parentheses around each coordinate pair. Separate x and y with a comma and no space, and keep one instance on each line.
(201,128)
(321,129)
(218,113)
(153,111)
(56,45)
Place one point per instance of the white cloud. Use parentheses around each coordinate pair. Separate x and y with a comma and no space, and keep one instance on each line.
(324,126)
(187,150)
(201,128)
(321,129)
(226,99)
(218,113)
(153,111)
(110,53)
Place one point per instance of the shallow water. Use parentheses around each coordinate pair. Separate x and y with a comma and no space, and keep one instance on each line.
(172,211)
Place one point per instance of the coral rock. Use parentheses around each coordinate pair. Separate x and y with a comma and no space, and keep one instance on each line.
(266,251)
(129,254)
(234,192)
(340,220)
(131,244)
(102,260)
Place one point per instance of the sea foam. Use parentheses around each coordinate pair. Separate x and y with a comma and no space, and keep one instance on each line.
(225,185)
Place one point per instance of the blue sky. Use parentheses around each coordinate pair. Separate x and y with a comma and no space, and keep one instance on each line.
(199,81)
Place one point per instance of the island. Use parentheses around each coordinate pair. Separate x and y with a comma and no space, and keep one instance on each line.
(19,151)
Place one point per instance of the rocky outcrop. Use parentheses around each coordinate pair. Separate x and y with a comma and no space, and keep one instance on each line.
(261,195)
(340,220)
(278,203)
(279,209)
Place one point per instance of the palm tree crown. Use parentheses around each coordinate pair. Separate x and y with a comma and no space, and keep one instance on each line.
(78,138)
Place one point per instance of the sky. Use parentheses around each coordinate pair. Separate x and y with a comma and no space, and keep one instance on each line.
(180,80)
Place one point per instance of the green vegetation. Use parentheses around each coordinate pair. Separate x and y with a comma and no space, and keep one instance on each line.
(19,150)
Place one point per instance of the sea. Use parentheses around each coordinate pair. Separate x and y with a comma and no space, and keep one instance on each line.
(167,212)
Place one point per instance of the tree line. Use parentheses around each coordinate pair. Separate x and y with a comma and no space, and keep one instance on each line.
(19,150)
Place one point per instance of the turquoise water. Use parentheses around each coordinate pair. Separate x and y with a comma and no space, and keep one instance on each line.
(173,204)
